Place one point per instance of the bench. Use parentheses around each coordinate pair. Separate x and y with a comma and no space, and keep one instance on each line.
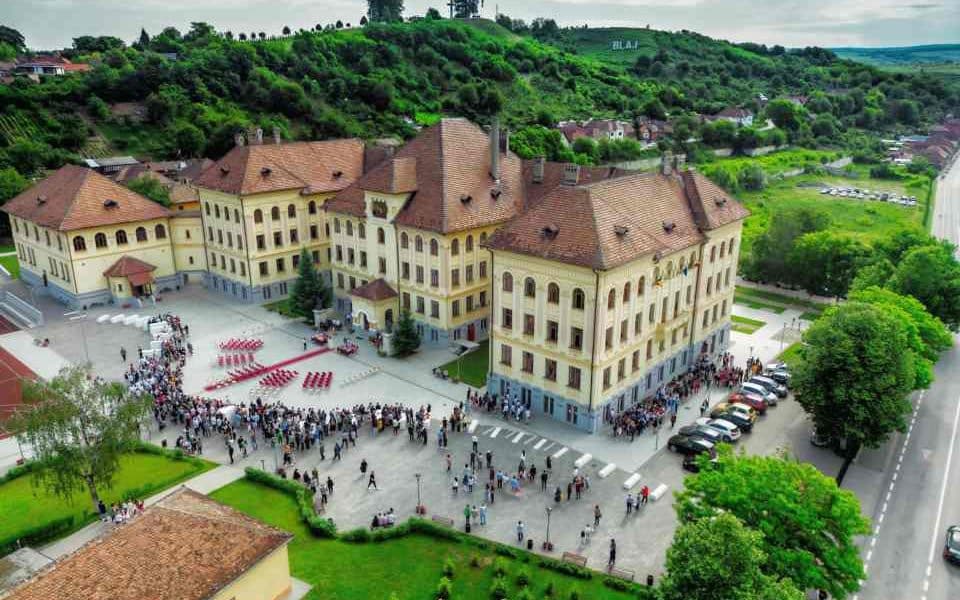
(658,492)
(576,559)
(607,470)
(583,460)
(442,520)
(626,574)
(631,481)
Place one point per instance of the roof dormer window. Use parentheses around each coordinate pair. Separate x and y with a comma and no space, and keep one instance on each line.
(110,204)
(550,231)
(620,230)
(265,171)
(669,226)
(466,198)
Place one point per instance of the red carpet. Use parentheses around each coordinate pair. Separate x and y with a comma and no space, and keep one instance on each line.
(11,372)
(266,369)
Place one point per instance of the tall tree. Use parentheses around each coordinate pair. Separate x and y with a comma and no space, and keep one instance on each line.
(303,299)
(144,39)
(464,9)
(384,11)
(406,340)
(769,256)
(931,274)
(9,35)
(719,559)
(808,524)
(825,262)
(856,372)
(78,426)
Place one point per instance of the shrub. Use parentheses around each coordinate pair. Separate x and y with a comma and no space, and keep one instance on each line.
(574,594)
(523,577)
(474,561)
(389,533)
(499,567)
(37,535)
(506,551)
(444,588)
(448,566)
(498,591)
(319,526)
(523,594)
(550,590)
(616,584)
(360,534)
(565,568)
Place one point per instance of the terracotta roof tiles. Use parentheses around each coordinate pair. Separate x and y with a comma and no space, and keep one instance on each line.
(376,290)
(75,197)
(128,265)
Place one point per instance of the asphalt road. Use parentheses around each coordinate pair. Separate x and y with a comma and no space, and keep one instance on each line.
(920,496)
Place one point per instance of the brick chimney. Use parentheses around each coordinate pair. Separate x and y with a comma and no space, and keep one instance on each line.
(571,174)
(538,165)
(666,163)
(495,148)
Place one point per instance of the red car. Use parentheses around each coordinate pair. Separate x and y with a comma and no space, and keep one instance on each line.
(752,400)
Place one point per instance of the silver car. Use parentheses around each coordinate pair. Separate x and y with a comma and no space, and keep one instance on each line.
(728,431)
(759,390)
(770,385)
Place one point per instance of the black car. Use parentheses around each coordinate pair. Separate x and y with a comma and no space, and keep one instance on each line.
(951,547)
(692,464)
(703,432)
(782,377)
(745,425)
(686,444)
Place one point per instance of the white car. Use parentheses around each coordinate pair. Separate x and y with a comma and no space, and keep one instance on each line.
(728,431)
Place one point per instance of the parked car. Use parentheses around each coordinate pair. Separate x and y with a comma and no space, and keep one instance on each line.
(685,444)
(743,423)
(781,376)
(761,391)
(951,547)
(729,432)
(776,366)
(770,385)
(692,464)
(752,400)
(818,439)
(742,409)
(703,432)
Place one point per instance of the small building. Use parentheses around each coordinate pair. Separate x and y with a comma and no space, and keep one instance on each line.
(596,129)
(53,64)
(110,164)
(185,547)
(739,116)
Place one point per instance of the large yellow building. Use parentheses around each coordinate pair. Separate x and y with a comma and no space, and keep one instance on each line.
(604,291)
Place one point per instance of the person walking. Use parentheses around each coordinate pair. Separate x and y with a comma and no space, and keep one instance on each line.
(323,451)
(123,354)
(613,554)
(489,459)
(330,484)
(520,530)
(596,516)
(549,462)
(483,514)
(466,515)
(673,419)
(543,481)
(372,481)
(449,463)
(704,406)
(363,467)
(629,503)
(644,495)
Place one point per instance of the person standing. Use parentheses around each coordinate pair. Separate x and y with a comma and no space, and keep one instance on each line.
(363,467)
(330,484)
(466,515)
(596,516)
(489,459)
(543,481)
(613,554)
(629,503)
(483,513)
(449,463)
(644,495)
(123,354)
(372,481)
(520,530)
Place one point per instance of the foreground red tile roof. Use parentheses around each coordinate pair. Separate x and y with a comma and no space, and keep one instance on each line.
(313,167)
(75,197)
(376,290)
(614,221)
(185,547)
(128,265)
(447,167)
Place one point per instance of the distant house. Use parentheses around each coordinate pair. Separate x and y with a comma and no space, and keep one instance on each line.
(51,64)
(186,546)
(652,130)
(110,164)
(740,116)
(797,100)
(597,129)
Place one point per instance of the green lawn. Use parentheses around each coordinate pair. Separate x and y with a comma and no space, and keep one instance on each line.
(811,315)
(410,566)
(471,368)
(751,302)
(11,264)
(745,325)
(791,354)
(777,299)
(24,505)
(867,219)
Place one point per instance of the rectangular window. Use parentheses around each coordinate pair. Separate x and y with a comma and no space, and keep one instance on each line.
(689,294)
(528,362)
(340,280)
(469,302)
(608,338)
(434,309)
(550,369)
(351,256)
(382,265)
(652,312)
(243,267)
(281,267)
(483,299)
(663,310)
(455,308)
(507,321)
(277,239)
(637,324)
(576,338)
(229,240)
(673,337)
(406,301)
(483,269)
(553,331)
(506,355)
(706,317)
(264,270)
(295,260)
(635,361)
(726,278)
(624,330)
(709,284)
(339,253)
(455,278)
(469,273)
(573,378)
(261,242)
(363,259)
(434,278)
(353,282)
(294,236)
(419,274)
(622,369)
(233,266)
(314,233)
(606,378)
(315,255)
(529,323)
(715,309)
(405,270)
(420,305)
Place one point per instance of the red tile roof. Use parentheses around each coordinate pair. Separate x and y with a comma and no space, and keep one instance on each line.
(185,547)
(313,167)
(77,198)
(609,223)
(128,265)
(376,290)
(453,186)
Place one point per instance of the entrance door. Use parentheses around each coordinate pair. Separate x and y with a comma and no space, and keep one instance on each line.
(366,323)
(138,290)
(471,332)
(388,319)
(44,279)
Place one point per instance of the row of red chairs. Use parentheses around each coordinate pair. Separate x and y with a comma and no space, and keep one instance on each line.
(234,344)
(246,372)
(234,360)
(317,380)
(279,378)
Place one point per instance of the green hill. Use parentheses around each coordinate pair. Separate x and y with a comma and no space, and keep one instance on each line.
(905,55)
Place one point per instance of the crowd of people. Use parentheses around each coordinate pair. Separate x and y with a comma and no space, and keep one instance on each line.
(120,512)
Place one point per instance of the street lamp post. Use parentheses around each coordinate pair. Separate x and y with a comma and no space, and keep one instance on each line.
(420,508)
(547,545)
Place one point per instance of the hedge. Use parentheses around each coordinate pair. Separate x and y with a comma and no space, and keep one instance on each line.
(318,525)
(36,535)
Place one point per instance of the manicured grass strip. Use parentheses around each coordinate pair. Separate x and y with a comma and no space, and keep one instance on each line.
(745,325)
(811,315)
(791,354)
(471,368)
(773,297)
(26,507)
(757,304)
(12,265)
(409,566)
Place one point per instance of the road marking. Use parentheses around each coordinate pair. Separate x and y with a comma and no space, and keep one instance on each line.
(943,494)
(869,555)
(539,444)
(560,452)
(873,542)
(880,520)
(888,496)
(518,438)
(473,426)
(495,432)
(550,445)
(884,509)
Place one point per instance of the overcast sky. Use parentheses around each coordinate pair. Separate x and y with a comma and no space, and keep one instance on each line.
(53,23)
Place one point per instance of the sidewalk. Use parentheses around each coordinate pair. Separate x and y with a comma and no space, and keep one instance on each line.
(203,483)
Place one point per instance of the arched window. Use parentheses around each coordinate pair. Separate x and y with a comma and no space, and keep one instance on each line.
(626,292)
(258,216)
(649,348)
(361,231)
(141,234)
(349,227)
(612,299)
(160,232)
(216,210)
(483,238)
(469,245)
(529,287)
(507,282)
(723,249)
(291,211)
(100,240)
(553,293)
(236,215)
(121,237)
(404,240)
(381,236)
(641,286)
(713,254)
(336,225)
(312,207)
(275,213)
(579,299)
(455,247)
(434,248)
(730,247)
(418,244)
(79,243)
